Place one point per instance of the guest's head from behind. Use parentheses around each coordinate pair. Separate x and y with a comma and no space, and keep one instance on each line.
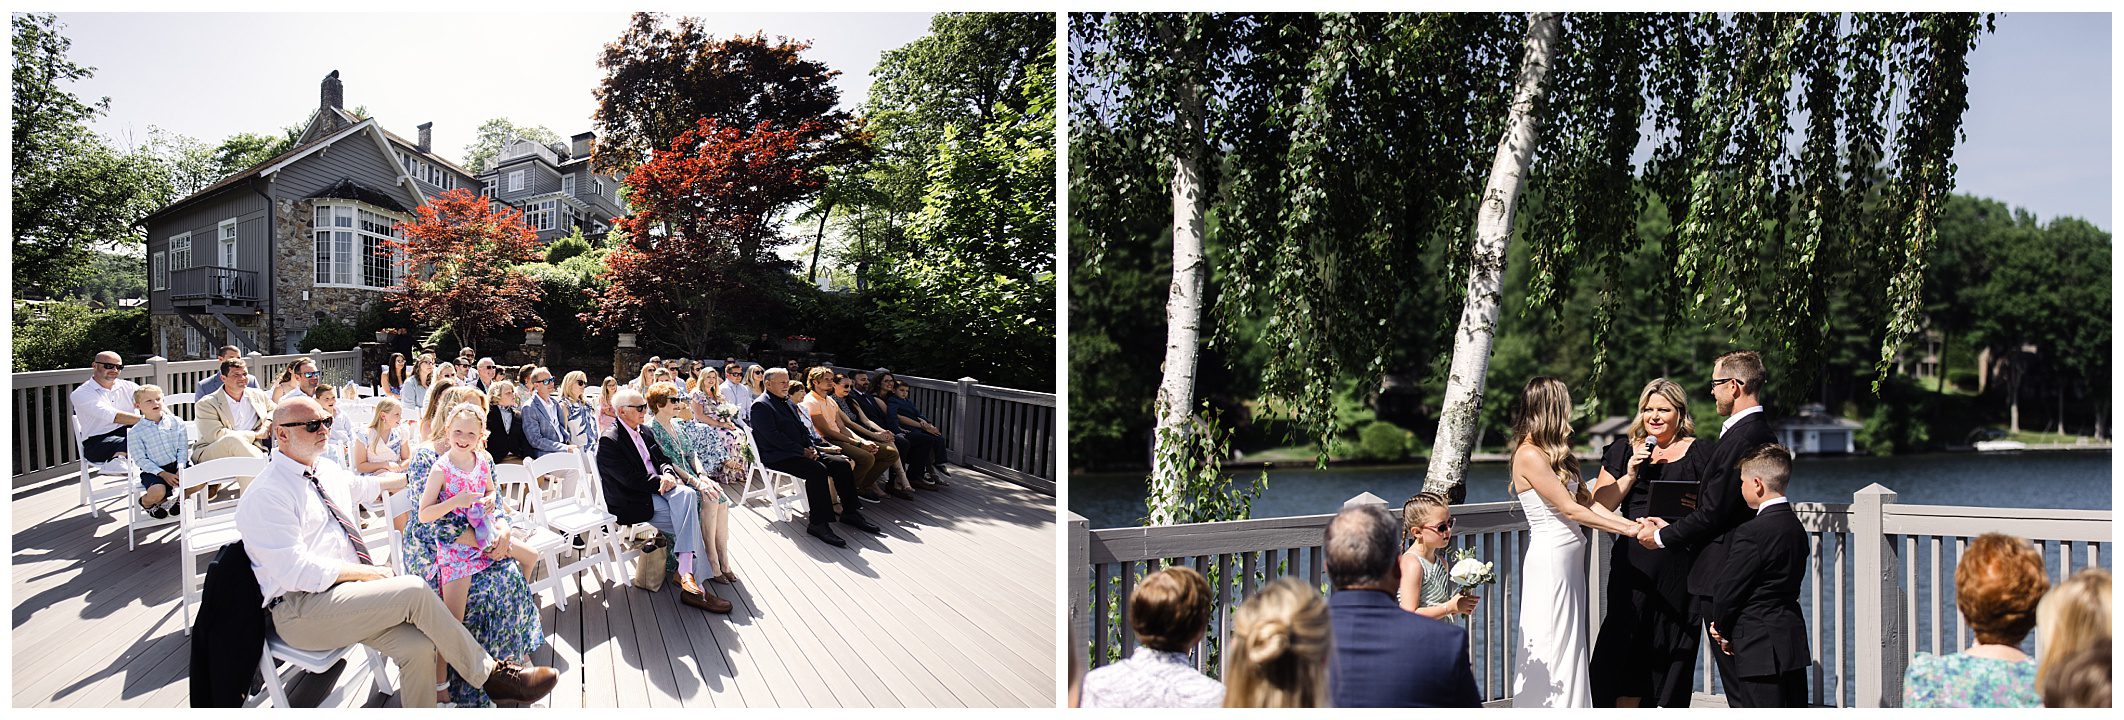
(1361,546)
(1737,380)
(1997,584)
(2080,680)
(1662,412)
(1278,653)
(1170,609)
(1764,473)
(2069,620)
(1426,521)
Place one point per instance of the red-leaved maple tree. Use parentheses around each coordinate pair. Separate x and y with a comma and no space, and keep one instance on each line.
(460,255)
(705,213)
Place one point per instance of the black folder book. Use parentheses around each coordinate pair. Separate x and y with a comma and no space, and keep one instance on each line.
(1668,496)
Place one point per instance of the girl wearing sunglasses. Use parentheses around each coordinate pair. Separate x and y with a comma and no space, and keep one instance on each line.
(1428,524)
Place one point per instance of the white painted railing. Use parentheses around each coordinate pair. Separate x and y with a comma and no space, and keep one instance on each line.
(1902,549)
(1002,431)
(43,441)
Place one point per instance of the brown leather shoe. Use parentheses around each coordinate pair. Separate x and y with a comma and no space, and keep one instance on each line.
(518,683)
(901,494)
(704,601)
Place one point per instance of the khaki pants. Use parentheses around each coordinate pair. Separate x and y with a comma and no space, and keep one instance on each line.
(869,465)
(227,447)
(399,617)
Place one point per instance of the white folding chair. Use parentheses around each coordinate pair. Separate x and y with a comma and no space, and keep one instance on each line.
(96,484)
(572,509)
(782,491)
(204,525)
(620,541)
(318,662)
(137,517)
(520,489)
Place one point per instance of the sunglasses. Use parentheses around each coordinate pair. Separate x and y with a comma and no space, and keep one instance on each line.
(1715,382)
(110,366)
(312,373)
(542,381)
(1444,528)
(638,408)
(311,426)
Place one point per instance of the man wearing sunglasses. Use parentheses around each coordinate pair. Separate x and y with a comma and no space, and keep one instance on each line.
(103,405)
(307,377)
(543,434)
(1737,381)
(733,387)
(640,488)
(325,590)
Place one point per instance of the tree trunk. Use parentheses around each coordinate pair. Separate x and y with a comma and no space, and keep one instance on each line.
(1940,367)
(819,240)
(2013,394)
(1183,311)
(1462,410)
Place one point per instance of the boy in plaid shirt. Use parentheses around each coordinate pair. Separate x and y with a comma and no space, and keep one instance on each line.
(156,445)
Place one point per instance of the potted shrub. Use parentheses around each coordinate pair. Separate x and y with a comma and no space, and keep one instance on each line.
(626,340)
(534,335)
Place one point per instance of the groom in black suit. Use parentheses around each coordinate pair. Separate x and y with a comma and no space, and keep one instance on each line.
(1737,380)
(1755,612)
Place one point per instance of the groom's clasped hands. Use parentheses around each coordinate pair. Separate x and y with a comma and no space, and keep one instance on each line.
(1646,528)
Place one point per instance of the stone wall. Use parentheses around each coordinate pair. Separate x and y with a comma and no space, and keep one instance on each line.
(295,262)
(166,335)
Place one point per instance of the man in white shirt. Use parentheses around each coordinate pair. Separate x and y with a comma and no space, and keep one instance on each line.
(307,376)
(232,419)
(324,591)
(734,390)
(104,406)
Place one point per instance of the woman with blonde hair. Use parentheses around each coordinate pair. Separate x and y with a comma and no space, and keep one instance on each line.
(2073,617)
(1558,505)
(432,406)
(1277,656)
(1646,653)
(578,419)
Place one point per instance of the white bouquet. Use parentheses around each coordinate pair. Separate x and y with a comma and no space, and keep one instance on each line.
(1468,571)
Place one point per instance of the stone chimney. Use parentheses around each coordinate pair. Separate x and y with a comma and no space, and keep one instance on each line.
(582,145)
(426,135)
(330,94)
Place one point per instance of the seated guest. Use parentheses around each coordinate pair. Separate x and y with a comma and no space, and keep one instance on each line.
(1385,656)
(415,392)
(640,487)
(103,407)
(787,446)
(323,590)
(2082,679)
(394,377)
(666,403)
(157,445)
(299,378)
(733,388)
(1997,584)
(339,443)
(212,382)
(506,437)
(716,433)
(432,405)
(1277,655)
(485,375)
(1169,612)
(381,448)
(911,420)
(888,448)
(233,421)
(606,414)
(545,422)
(829,454)
(647,377)
(579,417)
(2071,619)
(826,416)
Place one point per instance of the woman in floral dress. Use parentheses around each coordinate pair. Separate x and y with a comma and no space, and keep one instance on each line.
(716,435)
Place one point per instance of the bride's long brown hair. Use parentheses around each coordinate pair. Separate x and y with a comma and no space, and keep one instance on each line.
(1544,421)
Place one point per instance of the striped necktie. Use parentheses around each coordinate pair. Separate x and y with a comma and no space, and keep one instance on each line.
(361,549)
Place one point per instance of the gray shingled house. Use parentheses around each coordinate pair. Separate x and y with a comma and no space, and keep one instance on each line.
(255,259)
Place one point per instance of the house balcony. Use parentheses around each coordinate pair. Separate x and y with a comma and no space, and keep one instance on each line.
(215,289)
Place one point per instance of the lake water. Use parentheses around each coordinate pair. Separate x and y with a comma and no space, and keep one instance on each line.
(2071,480)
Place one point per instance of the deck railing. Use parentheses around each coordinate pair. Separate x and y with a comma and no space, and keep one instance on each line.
(1003,431)
(41,401)
(1875,592)
(215,284)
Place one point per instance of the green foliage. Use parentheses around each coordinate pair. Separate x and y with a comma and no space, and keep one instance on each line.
(330,335)
(487,143)
(59,335)
(561,249)
(243,150)
(568,288)
(109,277)
(1384,441)
(1207,493)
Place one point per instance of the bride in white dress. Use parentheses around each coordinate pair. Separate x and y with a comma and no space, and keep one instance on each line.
(1553,645)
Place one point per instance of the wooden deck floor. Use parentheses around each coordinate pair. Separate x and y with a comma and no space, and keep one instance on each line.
(953,607)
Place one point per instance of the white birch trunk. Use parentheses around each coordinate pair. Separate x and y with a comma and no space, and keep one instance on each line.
(1183,311)
(1493,229)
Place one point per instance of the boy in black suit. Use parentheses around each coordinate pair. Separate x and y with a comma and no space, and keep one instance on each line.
(1755,615)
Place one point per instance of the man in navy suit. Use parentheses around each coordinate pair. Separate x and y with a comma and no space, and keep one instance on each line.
(1386,656)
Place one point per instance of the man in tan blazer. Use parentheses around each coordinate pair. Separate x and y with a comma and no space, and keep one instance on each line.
(234,421)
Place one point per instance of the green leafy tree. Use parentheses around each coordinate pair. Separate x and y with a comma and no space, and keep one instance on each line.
(487,143)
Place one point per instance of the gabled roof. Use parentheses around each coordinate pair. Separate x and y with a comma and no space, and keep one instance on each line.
(393,137)
(283,160)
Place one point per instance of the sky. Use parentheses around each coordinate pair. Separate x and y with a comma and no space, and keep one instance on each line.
(212,75)
(2038,125)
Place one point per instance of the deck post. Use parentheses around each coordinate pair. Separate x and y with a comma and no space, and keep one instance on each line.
(962,426)
(1878,605)
(160,376)
(1366,498)
(1077,573)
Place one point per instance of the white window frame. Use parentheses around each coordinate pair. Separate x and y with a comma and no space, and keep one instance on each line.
(486,187)
(195,342)
(568,184)
(228,243)
(541,215)
(180,251)
(350,271)
(516,180)
(158,271)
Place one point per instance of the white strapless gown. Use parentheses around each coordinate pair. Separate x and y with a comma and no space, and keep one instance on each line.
(1553,650)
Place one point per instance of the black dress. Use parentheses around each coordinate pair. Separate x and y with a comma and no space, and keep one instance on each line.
(1647,647)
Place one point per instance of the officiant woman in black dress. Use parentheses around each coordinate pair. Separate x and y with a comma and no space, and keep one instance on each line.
(1647,649)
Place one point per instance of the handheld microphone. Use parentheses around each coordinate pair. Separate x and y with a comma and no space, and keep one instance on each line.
(1651,445)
